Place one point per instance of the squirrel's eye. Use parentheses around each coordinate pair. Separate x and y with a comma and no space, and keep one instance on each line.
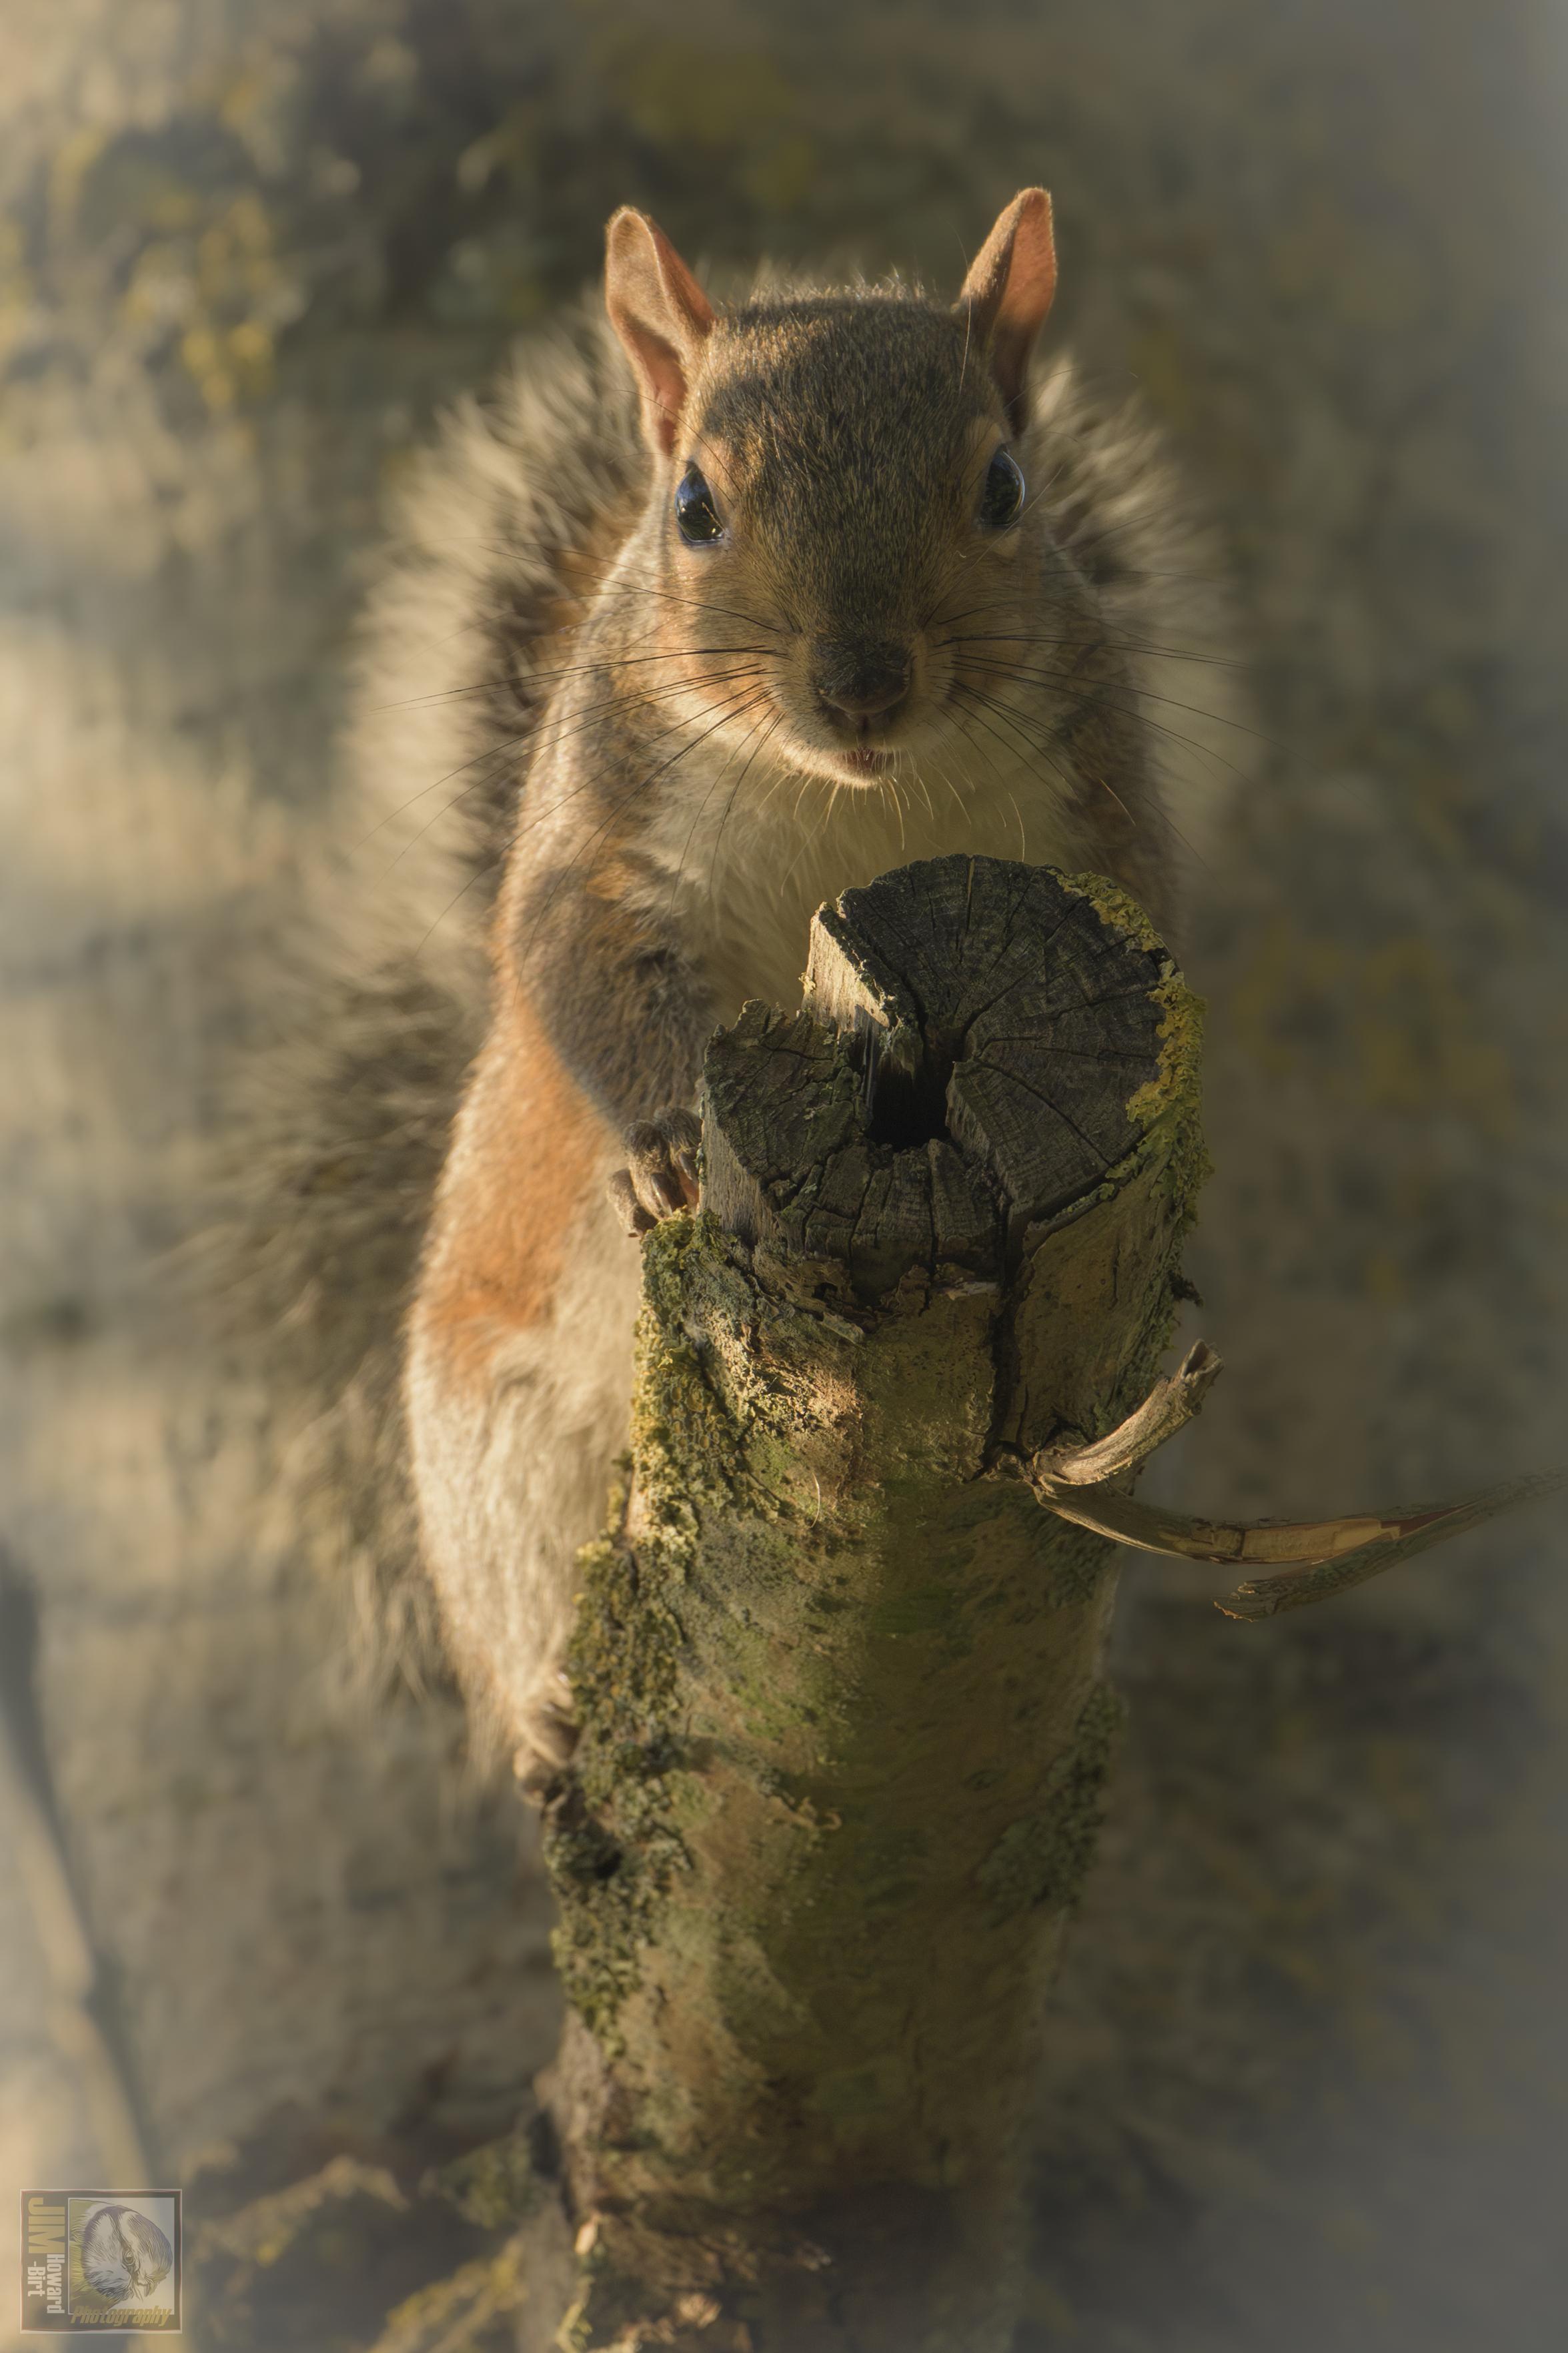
(696,516)
(1002,499)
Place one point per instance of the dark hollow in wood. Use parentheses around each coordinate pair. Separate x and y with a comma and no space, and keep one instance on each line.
(961,1070)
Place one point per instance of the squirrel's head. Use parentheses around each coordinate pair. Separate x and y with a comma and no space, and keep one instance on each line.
(838,504)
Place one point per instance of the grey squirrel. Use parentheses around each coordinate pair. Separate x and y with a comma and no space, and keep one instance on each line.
(717,611)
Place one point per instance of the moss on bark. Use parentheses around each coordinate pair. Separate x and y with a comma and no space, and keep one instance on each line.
(845,1736)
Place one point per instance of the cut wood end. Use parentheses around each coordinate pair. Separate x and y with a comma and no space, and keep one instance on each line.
(1002,1039)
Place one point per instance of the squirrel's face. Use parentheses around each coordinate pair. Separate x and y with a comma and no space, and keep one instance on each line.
(842,493)
(839,512)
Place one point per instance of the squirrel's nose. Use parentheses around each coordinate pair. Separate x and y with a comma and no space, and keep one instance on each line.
(862,682)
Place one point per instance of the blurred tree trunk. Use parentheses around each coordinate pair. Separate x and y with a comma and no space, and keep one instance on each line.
(844,1730)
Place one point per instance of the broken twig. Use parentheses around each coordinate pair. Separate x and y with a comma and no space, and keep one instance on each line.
(1330,1555)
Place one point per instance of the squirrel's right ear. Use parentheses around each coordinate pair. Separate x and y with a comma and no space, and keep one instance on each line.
(661,315)
(1008,291)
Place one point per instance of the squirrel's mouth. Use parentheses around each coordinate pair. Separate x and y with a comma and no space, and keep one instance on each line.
(865,762)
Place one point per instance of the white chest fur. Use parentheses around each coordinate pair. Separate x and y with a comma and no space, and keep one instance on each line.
(744,866)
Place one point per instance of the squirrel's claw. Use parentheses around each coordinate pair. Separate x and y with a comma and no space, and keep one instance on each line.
(623,1193)
(549,1738)
(660,1176)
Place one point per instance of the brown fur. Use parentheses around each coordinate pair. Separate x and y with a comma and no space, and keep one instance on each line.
(692,790)
(524,1143)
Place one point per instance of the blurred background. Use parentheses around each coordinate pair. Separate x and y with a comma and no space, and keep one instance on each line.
(1310,2072)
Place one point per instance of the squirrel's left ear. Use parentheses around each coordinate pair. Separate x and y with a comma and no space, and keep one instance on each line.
(661,315)
(1008,291)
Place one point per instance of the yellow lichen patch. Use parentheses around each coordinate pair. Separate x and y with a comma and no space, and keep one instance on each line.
(1117,909)
(1179,1085)
(1181,1034)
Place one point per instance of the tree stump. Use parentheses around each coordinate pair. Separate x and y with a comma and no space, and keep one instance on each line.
(844,1729)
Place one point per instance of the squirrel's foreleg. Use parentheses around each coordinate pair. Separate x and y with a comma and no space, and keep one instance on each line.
(519,1365)
(517,1376)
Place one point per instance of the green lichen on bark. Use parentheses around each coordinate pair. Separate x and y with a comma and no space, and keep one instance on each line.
(684,1442)
(1176,1096)
(614,1838)
(610,1872)
(611,1841)
(1117,909)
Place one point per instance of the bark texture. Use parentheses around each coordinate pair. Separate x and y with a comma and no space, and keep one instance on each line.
(844,1728)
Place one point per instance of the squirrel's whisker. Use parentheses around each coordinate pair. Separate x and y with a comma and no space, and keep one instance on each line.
(527,736)
(1063,683)
(1020,725)
(1122,645)
(1041,751)
(716,780)
(768,734)
(624,801)
(574,670)
(523,736)
(751,745)
(489,867)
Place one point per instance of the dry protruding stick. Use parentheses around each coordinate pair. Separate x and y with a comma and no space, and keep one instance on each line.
(1169,1407)
(1401,1536)
(844,1726)
(1333,1555)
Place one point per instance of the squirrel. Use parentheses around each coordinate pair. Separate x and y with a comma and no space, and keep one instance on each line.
(717,611)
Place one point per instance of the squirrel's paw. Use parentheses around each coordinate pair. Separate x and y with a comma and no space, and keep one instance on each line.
(660,1174)
(548,1736)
